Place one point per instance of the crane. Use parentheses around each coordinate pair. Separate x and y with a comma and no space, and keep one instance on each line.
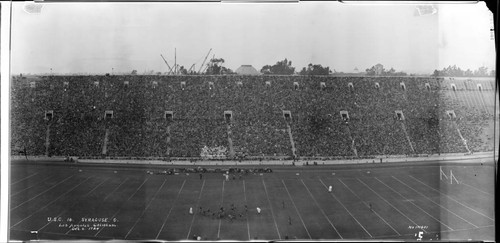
(213,57)
(169,71)
(204,60)
(191,68)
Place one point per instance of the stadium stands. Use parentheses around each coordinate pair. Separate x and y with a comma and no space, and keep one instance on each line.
(138,127)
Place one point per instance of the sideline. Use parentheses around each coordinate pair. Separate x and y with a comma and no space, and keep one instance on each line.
(484,157)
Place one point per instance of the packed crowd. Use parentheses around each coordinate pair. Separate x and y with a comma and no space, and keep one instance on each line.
(138,126)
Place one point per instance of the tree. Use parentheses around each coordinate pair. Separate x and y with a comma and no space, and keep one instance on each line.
(492,73)
(183,70)
(315,69)
(215,66)
(481,72)
(134,72)
(280,68)
(266,69)
(436,73)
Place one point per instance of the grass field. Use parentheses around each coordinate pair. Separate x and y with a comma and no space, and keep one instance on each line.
(378,201)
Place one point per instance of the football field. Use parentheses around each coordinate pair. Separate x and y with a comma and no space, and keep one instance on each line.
(428,201)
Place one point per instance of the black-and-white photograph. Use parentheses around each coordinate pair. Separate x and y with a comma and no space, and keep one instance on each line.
(217,121)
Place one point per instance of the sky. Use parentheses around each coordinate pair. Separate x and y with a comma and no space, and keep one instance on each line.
(101,37)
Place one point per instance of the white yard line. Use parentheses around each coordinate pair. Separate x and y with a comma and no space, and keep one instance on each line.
(37,184)
(433,201)
(390,204)
(146,208)
(64,211)
(323,212)
(13,183)
(271,207)
(102,201)
(118,211)
(333,195)
(221,203)
(289,196)
(462,183)
(170,210)
(452,199)
(421,209)
(48,204)
(197,203)
(246,203)
(361,200)
(12,209)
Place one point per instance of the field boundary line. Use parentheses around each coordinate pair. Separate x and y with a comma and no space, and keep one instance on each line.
(298,213)
(399,211)
(64,211)
(246,203)
(170,210)
(124,204)
(480,227)
(197,203)
(476,189)
(434,202)
(271,207)
(50,188)
(369,207)
(13,183)
(14,194)
(102,201)
(323,212)
(452,198)
(349,212)
(221,203)
(46,205)
(401,195)
(146,208)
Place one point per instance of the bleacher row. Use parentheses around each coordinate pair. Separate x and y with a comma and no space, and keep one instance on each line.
(139,128)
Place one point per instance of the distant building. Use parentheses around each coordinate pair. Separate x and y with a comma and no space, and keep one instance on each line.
(356,70)
(247,70)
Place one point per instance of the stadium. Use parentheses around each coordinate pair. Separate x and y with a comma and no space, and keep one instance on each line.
(143,157)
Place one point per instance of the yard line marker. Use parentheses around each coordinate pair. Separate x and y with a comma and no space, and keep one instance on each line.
(246,203)
(434,202)
(102,201)
(271,207)
(46,205)
(401,195)
(116,189)
(37,184)
(123,204)
(143,211)
(64,211)
(221,202)
(323,212)
(170,210)
(333,195)
(369,206)
(476,189)
(13,183)
(296,209)
(197,203)
(12,209)
(385,200)
(452,198)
